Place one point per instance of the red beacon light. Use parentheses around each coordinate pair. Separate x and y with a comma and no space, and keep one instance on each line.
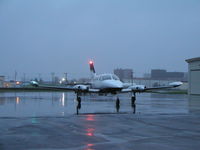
(90,62)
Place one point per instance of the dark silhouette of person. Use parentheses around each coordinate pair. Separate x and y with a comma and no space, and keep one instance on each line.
(117,104)
(78,105)
(133,104)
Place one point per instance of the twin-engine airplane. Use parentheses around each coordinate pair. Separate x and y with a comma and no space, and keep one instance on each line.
(105,84)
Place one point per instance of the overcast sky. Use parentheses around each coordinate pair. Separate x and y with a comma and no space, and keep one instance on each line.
(44,36)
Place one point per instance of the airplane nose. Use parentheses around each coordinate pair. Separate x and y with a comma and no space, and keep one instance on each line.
(114,85)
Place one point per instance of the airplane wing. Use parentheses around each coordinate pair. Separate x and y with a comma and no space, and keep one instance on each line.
(75,88)
(86,89)
(142,88)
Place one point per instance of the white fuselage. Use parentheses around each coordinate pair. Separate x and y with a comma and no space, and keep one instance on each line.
(106,81)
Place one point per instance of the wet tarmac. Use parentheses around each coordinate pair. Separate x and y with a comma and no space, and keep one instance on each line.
(42,120)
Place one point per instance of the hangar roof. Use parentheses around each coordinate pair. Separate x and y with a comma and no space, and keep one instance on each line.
(193,59)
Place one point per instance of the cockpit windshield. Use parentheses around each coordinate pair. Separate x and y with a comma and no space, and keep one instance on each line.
(115,77)
(106,77)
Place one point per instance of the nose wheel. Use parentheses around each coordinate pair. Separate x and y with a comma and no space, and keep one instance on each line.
(133,105)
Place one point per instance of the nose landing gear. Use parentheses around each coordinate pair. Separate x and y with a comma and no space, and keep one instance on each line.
(133,99)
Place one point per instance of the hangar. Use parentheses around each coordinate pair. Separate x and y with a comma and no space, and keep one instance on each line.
(194,76)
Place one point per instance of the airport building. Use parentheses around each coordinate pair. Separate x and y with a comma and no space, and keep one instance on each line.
(124,74)
(2,79)
(194,76)
(161,74)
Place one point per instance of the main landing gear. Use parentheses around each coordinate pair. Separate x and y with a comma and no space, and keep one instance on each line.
(117,105)
(78,107)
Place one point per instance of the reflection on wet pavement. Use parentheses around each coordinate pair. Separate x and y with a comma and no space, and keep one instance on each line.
(49,121)
(26,104)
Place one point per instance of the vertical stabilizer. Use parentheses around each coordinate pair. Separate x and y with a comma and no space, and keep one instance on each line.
(92,70)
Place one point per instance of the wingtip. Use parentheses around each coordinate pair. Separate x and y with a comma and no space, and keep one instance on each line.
(175,84)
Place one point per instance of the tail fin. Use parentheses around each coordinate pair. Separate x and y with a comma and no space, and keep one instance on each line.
(92,70)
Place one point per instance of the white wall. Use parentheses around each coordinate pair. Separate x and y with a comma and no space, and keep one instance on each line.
(194,77)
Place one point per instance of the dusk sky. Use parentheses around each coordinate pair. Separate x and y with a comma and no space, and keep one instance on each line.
(44,36)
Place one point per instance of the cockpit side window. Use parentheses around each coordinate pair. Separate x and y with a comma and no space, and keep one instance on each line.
(100,78)
(115,77)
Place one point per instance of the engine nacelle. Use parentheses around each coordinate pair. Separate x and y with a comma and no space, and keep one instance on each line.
(81,87)
(34,83)
(137,87)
